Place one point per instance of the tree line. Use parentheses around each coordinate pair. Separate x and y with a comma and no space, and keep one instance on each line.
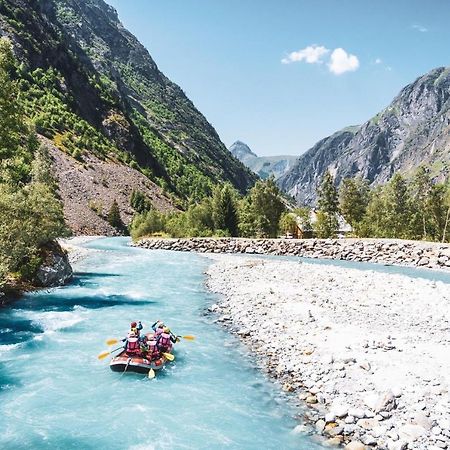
(416,208)
(225,213)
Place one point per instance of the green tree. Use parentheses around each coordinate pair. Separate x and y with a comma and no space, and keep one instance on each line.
(304,218)
(140,202)
(229,207)
(114,218)
(288,223)
(325,225)
(217,210)
(421,191)
(147,223)
(224,209)
(389,211)
(30,217)
(247,218)
(327,200)
(17,143)
(353,200)
(267,205)
(12,125)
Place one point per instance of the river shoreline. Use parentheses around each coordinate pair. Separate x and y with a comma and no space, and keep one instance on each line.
(427,255)
(367,352)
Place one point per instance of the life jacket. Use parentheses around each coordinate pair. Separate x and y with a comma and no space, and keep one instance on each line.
(133,346)
(163,341)
(153,352)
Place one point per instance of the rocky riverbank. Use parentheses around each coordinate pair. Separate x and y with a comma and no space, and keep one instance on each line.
(367,351)
(384,251)
(74,249)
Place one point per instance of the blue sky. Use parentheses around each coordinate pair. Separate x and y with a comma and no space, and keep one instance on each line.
(280,75)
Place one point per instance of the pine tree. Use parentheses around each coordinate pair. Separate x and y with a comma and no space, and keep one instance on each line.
(328,206)
(217,211)
(114,218)
(229,208)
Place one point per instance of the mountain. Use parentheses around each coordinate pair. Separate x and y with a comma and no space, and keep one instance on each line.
(264,166)
(413,130)
(94,91)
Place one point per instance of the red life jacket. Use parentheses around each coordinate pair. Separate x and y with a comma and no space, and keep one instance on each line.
(153,352)
(164,341)
(133,346)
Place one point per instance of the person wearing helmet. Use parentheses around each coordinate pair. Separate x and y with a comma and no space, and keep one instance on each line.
(164,340)
(158,328)
(132,346)
(151,350)
(136,327)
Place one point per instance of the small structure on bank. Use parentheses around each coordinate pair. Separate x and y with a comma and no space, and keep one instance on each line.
(305,226)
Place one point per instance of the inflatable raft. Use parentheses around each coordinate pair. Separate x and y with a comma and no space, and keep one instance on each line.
(123,362)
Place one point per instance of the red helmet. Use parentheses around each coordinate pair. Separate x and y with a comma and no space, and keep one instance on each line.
(133,325)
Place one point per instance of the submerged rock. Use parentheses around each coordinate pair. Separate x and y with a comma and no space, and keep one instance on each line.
(55,269)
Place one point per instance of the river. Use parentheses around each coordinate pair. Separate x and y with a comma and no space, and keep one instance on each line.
(56,394)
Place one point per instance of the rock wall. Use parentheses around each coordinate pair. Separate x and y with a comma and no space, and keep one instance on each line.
(385,251)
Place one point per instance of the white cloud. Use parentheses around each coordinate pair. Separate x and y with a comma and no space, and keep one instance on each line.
(312,54)
(420,28)
(378,61)
(341,62)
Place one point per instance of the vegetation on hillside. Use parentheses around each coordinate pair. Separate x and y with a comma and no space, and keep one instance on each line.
(88,85)
(225,213)
(30,213)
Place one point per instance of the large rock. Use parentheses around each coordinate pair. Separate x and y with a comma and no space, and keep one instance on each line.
(355,445)
(55,269)
(411,432)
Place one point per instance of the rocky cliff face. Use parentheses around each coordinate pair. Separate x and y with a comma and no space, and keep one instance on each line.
(263,166)
(413,130)
(93,89)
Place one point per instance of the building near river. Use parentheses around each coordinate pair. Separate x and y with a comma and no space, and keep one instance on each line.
(305,228)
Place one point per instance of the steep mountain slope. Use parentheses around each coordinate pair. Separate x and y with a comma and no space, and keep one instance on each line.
(413,130)
(264,166)
(93,90)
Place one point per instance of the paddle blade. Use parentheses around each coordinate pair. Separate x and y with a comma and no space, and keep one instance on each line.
(111,341)
(189,338)
(151,374)
(103,355)
(168,356)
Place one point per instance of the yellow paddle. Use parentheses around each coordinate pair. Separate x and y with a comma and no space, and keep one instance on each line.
(105,354)
(188,338)
(151,374)
(168,356)
(111,341)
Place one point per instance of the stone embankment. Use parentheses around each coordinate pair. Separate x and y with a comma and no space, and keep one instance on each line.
(383,251)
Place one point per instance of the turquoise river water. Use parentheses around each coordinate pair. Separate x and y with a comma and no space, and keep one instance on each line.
(56,394)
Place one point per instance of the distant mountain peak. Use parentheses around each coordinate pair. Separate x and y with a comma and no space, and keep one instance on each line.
(241,150)
(263,166)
